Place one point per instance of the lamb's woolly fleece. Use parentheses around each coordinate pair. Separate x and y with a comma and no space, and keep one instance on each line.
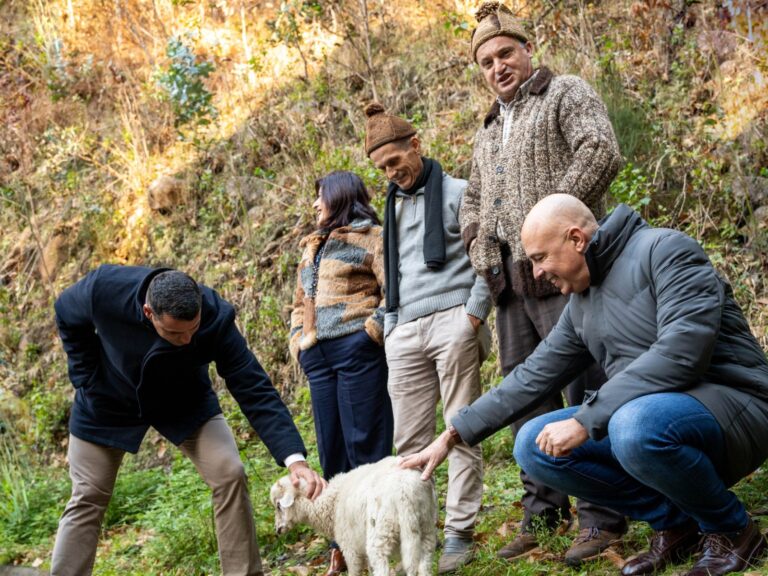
(369,512)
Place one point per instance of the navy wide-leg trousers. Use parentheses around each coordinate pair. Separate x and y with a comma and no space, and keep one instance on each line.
(351,406)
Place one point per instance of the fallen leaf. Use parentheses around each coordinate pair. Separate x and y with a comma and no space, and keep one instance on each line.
(539,555)
(506,529)
(613,557)
(297,547)
(37,563)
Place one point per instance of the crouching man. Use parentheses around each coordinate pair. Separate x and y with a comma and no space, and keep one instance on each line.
(684,413)
(138,343)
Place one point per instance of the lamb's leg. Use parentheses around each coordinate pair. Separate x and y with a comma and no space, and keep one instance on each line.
(355,563)
(412,551)
(380,543)
(379,563)
(382,536)
(425,542)
(427,548)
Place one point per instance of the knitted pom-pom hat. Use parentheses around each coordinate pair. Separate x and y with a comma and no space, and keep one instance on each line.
(495,19)
(382,128)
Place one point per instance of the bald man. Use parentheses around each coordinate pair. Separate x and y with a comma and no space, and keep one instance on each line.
(684,413)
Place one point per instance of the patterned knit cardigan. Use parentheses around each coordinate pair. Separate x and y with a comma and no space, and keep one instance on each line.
(561,141)
(350,286)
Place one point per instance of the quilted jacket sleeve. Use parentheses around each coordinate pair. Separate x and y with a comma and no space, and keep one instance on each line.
(689,301)
(554,363)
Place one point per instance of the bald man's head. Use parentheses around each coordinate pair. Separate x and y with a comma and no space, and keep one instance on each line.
(555,237)
(559,211)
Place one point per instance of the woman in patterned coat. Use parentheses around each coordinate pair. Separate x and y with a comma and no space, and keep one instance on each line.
(337,330)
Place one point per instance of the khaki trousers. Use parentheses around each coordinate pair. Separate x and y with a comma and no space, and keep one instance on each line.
(93,469)
(433,357)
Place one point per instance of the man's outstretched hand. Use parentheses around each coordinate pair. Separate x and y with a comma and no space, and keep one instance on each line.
(431,457)
(559,438)
(315,483)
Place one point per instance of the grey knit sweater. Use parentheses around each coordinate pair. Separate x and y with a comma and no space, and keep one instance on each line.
(424,291)
(561,141)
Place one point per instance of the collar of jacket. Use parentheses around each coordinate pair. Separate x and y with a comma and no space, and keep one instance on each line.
(539,85)
(356,226)
(609,241)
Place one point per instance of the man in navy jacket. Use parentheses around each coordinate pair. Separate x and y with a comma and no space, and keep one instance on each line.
(139,342)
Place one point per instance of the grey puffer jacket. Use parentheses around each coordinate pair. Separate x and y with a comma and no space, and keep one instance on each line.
(658,318)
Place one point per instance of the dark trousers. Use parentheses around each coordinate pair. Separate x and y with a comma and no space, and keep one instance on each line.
(521,323)
(351,406)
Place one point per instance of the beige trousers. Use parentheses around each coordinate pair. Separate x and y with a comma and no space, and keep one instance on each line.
(431,358)
(93,469)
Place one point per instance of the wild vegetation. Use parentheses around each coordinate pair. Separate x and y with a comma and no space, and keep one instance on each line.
(189,133)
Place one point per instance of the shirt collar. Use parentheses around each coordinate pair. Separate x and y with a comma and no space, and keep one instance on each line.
(524,90)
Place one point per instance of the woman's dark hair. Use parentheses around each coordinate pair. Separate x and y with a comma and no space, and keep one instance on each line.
(346,199)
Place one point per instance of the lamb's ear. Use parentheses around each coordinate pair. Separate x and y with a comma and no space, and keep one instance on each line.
(286,501)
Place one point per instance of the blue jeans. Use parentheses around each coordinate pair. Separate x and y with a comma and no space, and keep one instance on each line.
(659,463)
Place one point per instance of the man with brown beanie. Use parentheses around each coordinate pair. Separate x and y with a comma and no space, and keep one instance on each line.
(435,335)
(544,134)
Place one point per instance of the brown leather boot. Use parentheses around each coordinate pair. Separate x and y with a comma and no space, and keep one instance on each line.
(723,554)
(667,547)
(523,543)
(589,543)
(338,564)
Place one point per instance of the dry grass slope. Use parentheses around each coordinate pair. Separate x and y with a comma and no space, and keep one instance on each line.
(94,166)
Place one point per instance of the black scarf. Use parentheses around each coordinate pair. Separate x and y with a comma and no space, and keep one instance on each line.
(431,179)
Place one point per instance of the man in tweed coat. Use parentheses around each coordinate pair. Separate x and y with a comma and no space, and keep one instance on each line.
(544,134)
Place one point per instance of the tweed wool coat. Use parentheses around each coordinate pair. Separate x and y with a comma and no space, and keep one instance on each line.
(346,290)
(561,141)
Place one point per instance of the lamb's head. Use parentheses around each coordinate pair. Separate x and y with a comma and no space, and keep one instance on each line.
(283,495)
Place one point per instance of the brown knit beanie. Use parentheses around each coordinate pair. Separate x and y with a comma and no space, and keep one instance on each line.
(495,19)
(382,128)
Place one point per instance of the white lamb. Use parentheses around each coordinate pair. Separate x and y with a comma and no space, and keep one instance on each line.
(368,511)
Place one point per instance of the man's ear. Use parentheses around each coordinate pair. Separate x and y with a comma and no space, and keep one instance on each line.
(416,143)
(147,311)
(287,500)
(528,48)
(578,238)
